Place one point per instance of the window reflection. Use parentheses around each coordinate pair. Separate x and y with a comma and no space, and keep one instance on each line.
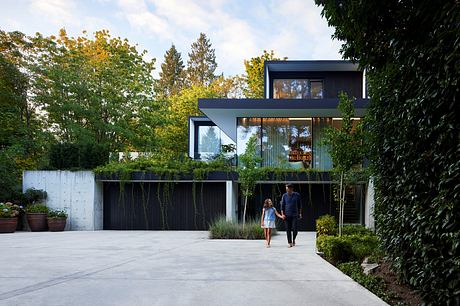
(209,142)
(297,89)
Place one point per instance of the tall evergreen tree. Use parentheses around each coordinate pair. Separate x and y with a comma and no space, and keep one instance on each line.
(202,62)
(172,73)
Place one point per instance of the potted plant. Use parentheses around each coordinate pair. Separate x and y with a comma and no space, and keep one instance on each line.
(36,217)
(9,213)
(56,220)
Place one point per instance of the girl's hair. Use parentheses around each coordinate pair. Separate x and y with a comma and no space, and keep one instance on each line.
(268,203)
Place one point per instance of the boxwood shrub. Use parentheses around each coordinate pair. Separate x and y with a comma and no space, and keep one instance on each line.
(326,225)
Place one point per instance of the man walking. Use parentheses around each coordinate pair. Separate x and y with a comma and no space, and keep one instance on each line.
(291,210)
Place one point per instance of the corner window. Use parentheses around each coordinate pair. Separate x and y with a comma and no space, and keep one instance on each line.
(209,141)
(297,89)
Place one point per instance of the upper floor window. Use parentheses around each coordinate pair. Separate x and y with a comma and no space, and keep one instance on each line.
(297,89)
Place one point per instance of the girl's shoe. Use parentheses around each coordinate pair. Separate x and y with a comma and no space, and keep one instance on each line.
(290,245)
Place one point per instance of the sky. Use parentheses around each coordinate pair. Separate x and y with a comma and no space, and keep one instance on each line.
(237,29)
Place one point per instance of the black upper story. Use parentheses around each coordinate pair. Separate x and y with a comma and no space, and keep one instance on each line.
(333,82)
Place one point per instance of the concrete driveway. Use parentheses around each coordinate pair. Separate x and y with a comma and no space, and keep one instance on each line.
(168,268)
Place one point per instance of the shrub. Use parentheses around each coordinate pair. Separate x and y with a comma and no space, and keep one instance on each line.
(336,249)
(33,195)
(356,229)
(37,208)
(347,248)
(362,245)
(78,156)
(57,214)
(373,283)
(223,229)
(326,225)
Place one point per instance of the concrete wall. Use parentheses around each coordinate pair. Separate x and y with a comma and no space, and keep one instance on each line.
(369,206)
(76,192)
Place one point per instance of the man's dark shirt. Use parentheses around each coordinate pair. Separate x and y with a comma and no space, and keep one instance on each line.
(291,204)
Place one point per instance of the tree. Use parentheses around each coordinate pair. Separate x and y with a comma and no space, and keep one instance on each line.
(411,52)
(210,142)
(248,172)
(346,149)
(171,74)
(96,90)
(173,133)
(201,64)
(255,74)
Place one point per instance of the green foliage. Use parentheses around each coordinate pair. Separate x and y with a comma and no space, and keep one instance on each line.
(372,283)
(255,74)
(326,225)
(95,90)
(33,195)
(37,208)
(77,156)
(172,74)
(201,64)
(163,167)
(345,144)
(9,210)
(411,52)
(223,229)
(248,169)
(335,249)
(57,214)
(356,229)
(10,185)
(347,247)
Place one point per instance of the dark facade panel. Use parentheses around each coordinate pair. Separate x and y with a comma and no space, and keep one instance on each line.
(317,200)
(350,82)
(162,206)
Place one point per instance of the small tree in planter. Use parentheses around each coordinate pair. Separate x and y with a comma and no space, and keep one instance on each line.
(248,172)
(36,217)
(346,149)
(56,220)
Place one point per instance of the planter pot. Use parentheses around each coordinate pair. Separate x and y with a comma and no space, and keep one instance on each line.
(56,225)
(8,225)
(37,221)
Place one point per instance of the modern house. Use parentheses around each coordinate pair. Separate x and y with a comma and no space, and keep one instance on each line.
(301,99)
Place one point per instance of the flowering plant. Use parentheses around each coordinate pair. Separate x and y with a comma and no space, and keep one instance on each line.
(9,210)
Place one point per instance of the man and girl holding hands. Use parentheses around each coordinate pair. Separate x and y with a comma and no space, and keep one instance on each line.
(291,211)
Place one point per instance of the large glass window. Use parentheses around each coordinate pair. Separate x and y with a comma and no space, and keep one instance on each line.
(289,142)
(247,127)
(297,89)
(285,142)
(209,141)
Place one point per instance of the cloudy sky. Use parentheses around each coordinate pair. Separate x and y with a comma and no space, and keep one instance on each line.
(238,29)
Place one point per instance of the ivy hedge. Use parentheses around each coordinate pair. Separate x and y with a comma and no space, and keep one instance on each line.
(411,50)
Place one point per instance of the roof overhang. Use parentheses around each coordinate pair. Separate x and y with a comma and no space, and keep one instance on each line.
(320,65)
(225,112)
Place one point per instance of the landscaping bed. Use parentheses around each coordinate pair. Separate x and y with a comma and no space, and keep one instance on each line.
(223,229)
(358,244)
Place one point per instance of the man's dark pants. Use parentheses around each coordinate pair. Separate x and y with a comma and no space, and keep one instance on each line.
(291,228)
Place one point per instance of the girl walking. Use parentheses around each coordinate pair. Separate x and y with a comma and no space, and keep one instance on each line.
(267,221)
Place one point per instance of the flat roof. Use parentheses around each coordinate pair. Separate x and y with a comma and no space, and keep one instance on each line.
(311,65)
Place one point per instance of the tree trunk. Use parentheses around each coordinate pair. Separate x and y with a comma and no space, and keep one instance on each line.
(244,212)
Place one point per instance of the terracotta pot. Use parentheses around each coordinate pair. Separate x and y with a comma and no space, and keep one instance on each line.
(56,225)
(37,221)
(8,225)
